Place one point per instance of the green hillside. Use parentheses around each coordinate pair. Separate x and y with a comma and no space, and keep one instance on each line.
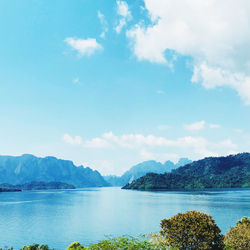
(232,171)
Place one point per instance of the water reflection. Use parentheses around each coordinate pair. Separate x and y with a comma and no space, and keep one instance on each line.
(59,217)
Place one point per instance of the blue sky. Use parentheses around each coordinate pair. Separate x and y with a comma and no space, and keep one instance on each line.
(109,84)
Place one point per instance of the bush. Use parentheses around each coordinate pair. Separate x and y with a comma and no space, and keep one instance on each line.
(159,241)
(124,242)
(191,230)
(238,237)
(75,246)
(35,247)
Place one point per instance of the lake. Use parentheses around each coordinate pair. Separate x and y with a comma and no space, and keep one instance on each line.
(60,217)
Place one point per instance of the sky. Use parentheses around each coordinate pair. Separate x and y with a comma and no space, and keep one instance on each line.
(109,84)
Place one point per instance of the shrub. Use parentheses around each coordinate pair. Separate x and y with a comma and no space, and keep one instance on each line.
(35,247)
(124,242)
(238,237)
(75,246)
(159,241)
(191,230)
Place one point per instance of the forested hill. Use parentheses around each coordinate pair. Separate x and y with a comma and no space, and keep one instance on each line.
(29,168)
(211,172)
(143,168)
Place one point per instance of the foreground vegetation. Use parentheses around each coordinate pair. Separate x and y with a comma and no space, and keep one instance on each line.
(191,230)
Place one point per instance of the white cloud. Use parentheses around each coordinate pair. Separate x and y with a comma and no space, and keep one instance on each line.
(215,34)
(151,147)
(124,13)
(154,147)
(103,23)
(84,47)
(198,145)
(136,140)
(77,140)
(96,143)
(119,27)
(212,77)
(195,126)
(214,125)
(122,9)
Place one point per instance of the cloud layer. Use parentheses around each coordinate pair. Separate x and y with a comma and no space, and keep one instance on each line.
(144,143)
(215,34)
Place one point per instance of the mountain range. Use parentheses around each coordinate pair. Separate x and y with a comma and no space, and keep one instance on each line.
(232,171)
(29,168)
(28,171)
(142,169)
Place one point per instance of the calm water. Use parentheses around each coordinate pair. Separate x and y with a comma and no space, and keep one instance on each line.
(58,218)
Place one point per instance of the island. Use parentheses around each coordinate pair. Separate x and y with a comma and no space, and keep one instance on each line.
(9,190)
(35,185)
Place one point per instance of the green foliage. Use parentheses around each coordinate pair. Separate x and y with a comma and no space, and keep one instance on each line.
(35,247)
(75,246)
(191,230)
(213,172)
(238,237)
(124,243)
(160,242)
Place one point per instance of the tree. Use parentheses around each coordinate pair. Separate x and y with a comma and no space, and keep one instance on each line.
(192,230)
(75,246)
(238,237)
(35,247)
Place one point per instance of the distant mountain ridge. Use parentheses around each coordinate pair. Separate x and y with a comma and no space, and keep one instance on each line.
(37,185)
(29,168)
(143,168)
(232,171)
(3,189)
